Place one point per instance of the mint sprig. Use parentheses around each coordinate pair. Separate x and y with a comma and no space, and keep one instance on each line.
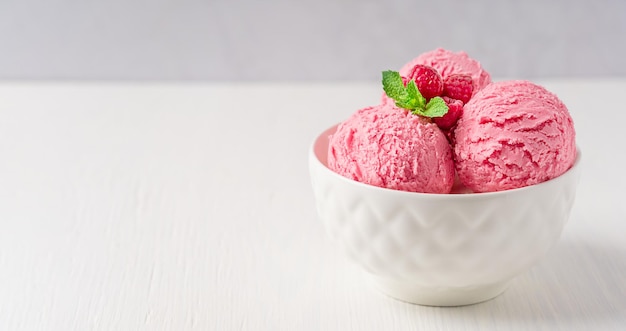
(410,98)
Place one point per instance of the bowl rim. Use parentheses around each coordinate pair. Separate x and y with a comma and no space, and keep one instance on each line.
(313,158)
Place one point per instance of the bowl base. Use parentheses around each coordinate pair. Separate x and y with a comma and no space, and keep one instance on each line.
(439,296)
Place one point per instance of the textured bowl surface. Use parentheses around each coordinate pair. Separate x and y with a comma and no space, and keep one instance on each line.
(440,249)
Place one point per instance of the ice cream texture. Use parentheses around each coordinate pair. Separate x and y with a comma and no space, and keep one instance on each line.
(389,147)
(513,134)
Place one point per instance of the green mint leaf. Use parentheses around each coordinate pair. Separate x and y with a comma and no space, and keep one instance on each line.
(394,87)
(404,104)
(409,96)
(415,96)
(418,111)
(436,107)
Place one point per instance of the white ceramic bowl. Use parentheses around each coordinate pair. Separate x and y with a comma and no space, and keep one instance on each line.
(440,249)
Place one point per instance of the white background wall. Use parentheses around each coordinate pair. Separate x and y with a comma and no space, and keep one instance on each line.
(220,40)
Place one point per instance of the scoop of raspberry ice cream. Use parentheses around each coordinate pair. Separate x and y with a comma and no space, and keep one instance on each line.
(449,63)
(446,63)
(389,147)
(513,134)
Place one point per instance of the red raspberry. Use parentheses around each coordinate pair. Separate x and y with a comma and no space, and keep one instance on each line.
(455,109)
(459,87)
(428,81)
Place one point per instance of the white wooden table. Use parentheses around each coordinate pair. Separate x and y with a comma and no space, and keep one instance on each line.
(188,207)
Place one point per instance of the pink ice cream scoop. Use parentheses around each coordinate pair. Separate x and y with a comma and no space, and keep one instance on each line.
(449,63)
(389,147)
(513,134)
